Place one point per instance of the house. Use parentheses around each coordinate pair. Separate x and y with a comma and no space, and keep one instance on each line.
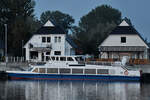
(49,40)
(124,40)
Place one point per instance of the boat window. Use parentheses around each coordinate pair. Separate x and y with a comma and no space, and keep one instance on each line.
(70,59)
(90,71)
(77,71)
(30,69)
(52,70)
(35,70)
(47,58)
(62,58)
(47,53)
(102,71)
(42,70)
(53,58)
(64,70)
(57,58)
(79,59)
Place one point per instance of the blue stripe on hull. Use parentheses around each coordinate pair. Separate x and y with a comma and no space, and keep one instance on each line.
(72,77)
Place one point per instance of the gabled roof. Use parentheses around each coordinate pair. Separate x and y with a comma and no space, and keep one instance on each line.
(49,24)
(50,28)
(70,41)
(124,28)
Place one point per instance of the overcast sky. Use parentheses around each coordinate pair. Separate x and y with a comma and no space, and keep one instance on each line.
(137,10)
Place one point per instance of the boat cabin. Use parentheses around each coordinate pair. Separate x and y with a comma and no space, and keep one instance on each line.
(71,71)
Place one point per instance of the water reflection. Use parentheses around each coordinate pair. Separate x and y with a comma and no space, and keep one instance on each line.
(72,90)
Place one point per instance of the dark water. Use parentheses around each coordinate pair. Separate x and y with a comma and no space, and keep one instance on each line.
(73,90)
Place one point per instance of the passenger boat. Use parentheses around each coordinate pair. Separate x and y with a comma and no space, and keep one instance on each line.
(70,68)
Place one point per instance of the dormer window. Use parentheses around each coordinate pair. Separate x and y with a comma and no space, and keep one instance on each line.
(123,39)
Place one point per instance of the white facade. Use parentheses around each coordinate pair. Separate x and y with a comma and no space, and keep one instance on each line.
(131,40)
(40,46)
(117,45)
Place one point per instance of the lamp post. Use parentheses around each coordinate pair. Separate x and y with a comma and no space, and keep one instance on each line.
(5,42)
(22,47)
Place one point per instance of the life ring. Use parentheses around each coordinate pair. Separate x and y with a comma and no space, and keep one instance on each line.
(126,72)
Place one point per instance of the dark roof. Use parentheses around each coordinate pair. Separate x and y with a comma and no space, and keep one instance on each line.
(148,44)
(50,30)
(2,46)
(124,30)
(70,41)
(130,30)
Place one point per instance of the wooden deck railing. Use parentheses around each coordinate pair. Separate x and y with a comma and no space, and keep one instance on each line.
(131,61)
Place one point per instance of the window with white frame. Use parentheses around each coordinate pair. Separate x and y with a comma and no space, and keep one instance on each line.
(123,39)
(55,40)
(48,39)
(59,39)
(43,39)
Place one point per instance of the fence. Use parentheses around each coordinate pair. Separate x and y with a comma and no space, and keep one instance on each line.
(12,59)
(131,61)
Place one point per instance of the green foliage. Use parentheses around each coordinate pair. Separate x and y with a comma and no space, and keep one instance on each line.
(59,18)
(95,27)
(19,17)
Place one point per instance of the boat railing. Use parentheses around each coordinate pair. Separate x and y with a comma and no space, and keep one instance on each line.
(102,63)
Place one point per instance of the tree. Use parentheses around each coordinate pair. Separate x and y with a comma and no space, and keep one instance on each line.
(18,15)
(95,26)
(59,18)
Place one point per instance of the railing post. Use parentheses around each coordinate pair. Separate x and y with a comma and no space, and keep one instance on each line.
(96,71)
(17,59)
(58,71)
(46,70)
(83,71)
(14,59)
(23,59)
(70,70)
(11,59)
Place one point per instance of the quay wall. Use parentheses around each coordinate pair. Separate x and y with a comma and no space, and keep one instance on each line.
(13,66)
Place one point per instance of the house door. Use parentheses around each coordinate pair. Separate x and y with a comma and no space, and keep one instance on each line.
(124,54)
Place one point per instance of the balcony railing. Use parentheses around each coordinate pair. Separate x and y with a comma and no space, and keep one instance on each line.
(40,47)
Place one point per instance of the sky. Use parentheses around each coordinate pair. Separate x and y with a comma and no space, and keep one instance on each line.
(137,10)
